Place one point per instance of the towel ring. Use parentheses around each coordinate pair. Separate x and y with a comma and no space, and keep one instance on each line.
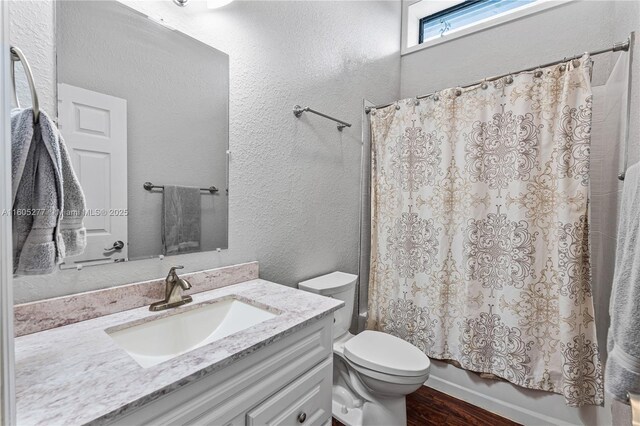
(18,56)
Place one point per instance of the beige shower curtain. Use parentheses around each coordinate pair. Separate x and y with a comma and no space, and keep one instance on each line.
(480,248)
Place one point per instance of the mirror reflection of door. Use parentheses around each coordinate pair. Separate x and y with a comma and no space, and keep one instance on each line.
(94,127)
(177,121)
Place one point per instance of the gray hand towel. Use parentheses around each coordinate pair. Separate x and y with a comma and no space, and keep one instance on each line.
(48,203)
(180,220)
(623,365)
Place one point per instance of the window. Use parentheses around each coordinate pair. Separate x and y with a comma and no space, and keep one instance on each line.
(463,14)
(426,23)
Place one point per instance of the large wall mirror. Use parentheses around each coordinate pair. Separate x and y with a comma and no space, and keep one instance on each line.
(144,112)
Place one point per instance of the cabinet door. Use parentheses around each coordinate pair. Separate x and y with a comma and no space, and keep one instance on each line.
(306,401)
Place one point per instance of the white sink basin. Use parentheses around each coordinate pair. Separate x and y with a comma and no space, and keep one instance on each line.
(156,341)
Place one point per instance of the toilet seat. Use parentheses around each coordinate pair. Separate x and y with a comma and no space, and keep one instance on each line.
(387,378)
(387,354)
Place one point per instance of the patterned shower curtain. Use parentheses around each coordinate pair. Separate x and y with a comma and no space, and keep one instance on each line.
(480,231)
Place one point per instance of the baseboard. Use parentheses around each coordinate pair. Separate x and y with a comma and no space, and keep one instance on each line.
(497,406)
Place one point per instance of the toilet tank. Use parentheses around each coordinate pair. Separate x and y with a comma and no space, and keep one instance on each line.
(338,285)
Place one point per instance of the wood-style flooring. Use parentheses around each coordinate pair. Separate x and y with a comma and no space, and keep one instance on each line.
(428,407)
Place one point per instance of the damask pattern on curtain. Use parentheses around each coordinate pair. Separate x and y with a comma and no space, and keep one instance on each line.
(480,238)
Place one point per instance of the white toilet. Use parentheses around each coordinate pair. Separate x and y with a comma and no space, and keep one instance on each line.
(372,371)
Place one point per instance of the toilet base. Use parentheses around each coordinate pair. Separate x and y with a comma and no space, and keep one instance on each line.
(389,412)
(353,416)
(349,410)
(371,414)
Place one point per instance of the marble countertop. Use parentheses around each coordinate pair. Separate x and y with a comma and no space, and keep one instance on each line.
(77,374)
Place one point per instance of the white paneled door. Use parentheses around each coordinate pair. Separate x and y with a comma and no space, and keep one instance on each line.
(94,127)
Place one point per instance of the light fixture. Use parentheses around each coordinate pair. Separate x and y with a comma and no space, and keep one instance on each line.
(214,4)
(181,3)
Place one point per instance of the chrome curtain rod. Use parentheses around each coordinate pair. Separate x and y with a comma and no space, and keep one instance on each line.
(17,56)
(149,186)
(298,110)
(625,160)
(620,46)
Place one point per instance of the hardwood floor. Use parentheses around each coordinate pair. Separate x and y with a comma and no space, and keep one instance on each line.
(428,407)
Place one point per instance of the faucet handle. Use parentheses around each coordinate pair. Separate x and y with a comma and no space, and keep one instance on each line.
(172,271)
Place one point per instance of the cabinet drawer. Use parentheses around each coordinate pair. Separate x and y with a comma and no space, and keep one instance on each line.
(306,401)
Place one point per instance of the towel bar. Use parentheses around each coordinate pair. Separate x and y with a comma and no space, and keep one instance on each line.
(18,56)
(149,186)
(298,110)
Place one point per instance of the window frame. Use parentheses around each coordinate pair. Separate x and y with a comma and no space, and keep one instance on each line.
(413,11)
(441,13)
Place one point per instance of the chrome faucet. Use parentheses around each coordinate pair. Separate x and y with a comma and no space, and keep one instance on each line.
(173,297)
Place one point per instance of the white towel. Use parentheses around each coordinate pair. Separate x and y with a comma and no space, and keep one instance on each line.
(623,365)
(48,203)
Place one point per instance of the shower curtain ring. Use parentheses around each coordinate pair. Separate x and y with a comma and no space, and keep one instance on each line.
(484,84)
(563,67)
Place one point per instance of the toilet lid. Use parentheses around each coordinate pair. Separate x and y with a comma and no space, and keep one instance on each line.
(386,354)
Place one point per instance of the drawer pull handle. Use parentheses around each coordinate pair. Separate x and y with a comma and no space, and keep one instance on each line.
(302,417)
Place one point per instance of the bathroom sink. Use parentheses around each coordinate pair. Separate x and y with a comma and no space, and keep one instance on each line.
(162,339)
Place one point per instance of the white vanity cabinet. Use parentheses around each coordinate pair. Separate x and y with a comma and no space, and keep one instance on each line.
(287,382)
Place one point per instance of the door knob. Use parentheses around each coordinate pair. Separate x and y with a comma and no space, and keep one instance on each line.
(302,417)
(118,245)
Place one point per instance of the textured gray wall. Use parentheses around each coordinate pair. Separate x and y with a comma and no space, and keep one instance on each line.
(37,42)
(294,183)
(177,92)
